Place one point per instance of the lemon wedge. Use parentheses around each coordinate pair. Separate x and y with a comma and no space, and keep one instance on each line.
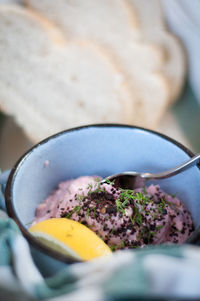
(70,238)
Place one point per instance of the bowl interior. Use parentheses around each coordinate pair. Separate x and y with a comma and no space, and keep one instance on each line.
(99,150)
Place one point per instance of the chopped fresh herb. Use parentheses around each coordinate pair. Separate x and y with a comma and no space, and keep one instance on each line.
(146,235)
(120,206)
(113,248)
(97,201)
(99,235)
(97,179)
(96,188)
(90,186)
(94,210)
(110,182)
(105,227)
(141,198)
(159,227)
(124,203)
(88,212)
(137,216)
(133,247)
(151,234)
(122,244)
(99,190)
(80,197)
(127,194)
(154,216)
(160,210)
(76,209)
(163,203)
(131,219)
(173,195)
(69,214)
(112,231)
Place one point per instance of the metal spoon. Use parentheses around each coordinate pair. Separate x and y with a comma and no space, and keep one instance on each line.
(132,179)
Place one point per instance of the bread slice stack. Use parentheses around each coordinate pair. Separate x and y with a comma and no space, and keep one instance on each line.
(67,63)
(154,29)
(50,84)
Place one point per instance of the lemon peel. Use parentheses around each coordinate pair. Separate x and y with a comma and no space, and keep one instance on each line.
(70,238)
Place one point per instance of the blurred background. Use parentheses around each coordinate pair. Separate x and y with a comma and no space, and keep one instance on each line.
(154,19)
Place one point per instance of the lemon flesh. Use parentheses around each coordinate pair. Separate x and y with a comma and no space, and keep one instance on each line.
(70,238)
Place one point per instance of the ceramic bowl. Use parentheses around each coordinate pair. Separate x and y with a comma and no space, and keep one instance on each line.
(95,150)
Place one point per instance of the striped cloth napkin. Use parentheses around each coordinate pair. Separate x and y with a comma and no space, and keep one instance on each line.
(166,272)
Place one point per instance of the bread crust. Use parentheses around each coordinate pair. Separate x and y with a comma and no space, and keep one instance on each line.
(150,19)
(51,86)
(132,56)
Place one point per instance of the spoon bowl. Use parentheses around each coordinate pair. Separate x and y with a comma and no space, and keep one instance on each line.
(126,180)
(133,179)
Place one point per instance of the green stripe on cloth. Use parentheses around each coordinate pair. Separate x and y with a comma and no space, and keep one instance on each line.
(63,283)
(132,279)
(8,232)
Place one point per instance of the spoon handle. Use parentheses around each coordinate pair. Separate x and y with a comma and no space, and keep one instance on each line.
(173,171)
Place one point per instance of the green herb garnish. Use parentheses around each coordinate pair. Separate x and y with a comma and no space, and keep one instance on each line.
(88,212)
(133,247)
(159,227)
(80,197)
(131,219)
(113,248)
(69,214)
(112,231)
(137,216)
(110,182)
(76,209)
(120,206)
(99,235)
(173,195)
(122,244)
(154,216)
(94,210)
(96,188)
(160,210)
(90,186)
(163,203)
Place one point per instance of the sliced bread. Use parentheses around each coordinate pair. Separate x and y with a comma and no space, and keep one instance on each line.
(49,87)
(105,20)
(150,19)
(111,25)
(148,13)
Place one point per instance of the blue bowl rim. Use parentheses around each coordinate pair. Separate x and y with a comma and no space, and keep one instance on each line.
(194,238)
